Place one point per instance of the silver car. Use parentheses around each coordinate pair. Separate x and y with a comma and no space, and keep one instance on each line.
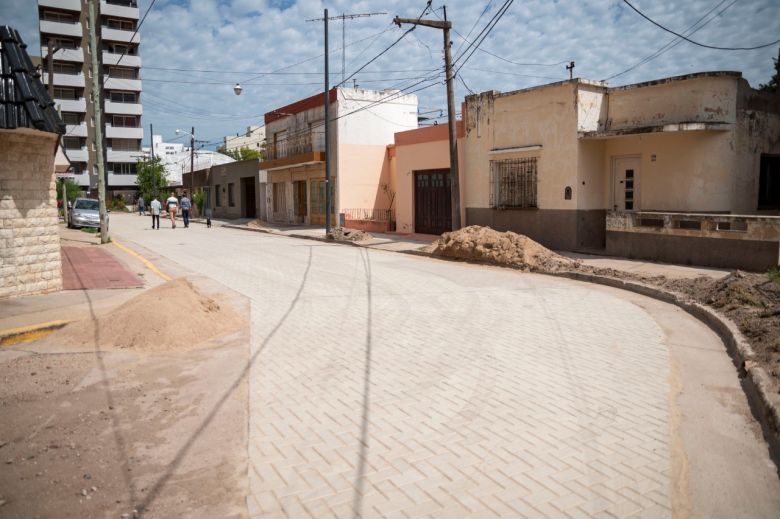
(85,213)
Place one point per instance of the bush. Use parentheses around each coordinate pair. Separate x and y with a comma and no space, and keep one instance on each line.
(117,204)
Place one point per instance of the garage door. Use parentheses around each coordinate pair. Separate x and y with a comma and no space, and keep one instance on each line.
(432,203)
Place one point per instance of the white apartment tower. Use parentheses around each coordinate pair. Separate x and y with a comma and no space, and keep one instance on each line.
(63,23)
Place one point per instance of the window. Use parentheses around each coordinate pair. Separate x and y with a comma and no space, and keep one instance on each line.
(123,73)
(217,196)
(63,43)
(124,121)
(64,93)
(71,118)
(123,97)
(231,198)
(71,143)
(124,144)
(122,25)
(118,48)
(52,16)
(513,183)
(122,168)
(769,182)
(65,68)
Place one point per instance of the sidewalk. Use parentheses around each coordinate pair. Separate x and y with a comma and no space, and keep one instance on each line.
(412,243)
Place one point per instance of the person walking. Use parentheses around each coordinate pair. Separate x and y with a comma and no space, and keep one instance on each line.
(172,204)
(155,207)
(186,205)
(141,206)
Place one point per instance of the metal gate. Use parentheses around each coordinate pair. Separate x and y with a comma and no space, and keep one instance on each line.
(432,202)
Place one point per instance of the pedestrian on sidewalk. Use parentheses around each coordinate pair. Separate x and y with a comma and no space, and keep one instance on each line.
(155,207)
(186,205)
(172,205)
(208,217)
(141,206)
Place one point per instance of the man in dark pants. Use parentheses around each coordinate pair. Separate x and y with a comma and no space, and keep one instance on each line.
(155,208)
(186,205)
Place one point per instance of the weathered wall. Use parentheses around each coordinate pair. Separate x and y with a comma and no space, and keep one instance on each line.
(362,170)
(232,173)
(30,260)
(411,158)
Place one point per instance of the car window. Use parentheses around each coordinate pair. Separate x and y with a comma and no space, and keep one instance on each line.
(91,205)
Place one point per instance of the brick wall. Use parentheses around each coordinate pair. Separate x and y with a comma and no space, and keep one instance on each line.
(30,260)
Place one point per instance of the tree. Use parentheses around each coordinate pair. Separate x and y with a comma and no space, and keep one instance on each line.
(771,86)
(243,153)
(152,179)
(72,189)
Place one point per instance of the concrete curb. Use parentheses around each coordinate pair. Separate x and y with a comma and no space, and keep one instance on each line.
(755,381)
(29,333)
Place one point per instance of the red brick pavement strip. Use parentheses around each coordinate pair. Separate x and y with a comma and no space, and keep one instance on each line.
(91,267)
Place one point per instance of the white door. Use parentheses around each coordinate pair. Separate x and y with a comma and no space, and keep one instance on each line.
(625,184)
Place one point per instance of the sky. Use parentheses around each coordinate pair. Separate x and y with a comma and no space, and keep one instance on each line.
(277,55)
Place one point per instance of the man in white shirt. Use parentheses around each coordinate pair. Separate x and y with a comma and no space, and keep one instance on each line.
(173,204)
(155,207)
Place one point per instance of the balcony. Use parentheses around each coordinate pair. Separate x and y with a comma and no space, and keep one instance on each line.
(74,55)
(68,80)
(69,5)
(72,105)
(124,108)
(77,155)
(76,130)
(294,151)
(115,180)
(120,9)
(124,156)
(120,132)
(109,58)
(81,179)
(132,85)
(64,29)
(119,35)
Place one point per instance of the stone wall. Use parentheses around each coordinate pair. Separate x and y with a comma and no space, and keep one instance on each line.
(30,260)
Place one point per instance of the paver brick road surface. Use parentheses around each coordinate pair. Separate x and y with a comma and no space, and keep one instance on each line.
(390,385)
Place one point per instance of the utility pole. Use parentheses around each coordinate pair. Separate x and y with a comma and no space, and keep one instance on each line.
(192,159)
(445,26)
(570,68)
(343,17)
(327,132)
(96,106)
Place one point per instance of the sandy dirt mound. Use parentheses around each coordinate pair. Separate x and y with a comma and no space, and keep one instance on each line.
(478,243)
(344,234)
(171,317)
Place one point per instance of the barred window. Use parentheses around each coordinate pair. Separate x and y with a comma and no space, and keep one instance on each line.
(513,183)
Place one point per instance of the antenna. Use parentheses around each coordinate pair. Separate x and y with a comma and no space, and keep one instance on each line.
(344,17)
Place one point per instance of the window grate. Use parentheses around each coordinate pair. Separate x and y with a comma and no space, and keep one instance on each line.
(513,183)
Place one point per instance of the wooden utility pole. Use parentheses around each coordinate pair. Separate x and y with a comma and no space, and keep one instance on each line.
(97,94)
(327,132)
(192,160)
(445,26)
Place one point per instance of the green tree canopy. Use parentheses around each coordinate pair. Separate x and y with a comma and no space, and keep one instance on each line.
(771,86)
(152,179)
(243,153)
(72,189)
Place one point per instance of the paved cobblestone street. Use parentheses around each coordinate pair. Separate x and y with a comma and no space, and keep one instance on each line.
(390,385)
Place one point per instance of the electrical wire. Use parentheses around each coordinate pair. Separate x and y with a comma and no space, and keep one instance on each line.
(474,26)
(483,34)
(640,13)
(676,41)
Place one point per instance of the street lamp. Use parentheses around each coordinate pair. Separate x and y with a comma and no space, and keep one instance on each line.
(237,89)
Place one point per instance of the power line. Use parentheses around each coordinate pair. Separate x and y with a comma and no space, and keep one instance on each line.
(640,13)
(466,38)
(483,34)
(676,41)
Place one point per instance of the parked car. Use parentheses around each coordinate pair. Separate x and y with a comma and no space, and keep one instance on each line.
(85,213)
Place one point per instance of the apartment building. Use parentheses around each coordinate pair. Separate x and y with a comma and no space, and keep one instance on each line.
(363,124)
(63,24)
(253,139)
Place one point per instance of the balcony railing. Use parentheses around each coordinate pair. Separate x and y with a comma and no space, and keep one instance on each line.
(66,29)
(70,5)
(295,145)
(76,54)
(127,9)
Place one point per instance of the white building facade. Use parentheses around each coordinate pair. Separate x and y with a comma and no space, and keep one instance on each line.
(253,139)
(63,23)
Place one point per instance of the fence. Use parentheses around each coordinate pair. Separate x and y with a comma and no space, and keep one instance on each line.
(378,215)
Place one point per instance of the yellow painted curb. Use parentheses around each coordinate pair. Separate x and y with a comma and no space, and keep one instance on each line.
(143,260)
(29,333)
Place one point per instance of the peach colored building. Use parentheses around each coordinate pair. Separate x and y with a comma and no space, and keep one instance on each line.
(683,169)
(363,123)
(420,162)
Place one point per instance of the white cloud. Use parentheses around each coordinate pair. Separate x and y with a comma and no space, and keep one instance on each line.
(245,37)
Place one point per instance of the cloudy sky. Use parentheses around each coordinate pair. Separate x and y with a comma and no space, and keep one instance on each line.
(193,51)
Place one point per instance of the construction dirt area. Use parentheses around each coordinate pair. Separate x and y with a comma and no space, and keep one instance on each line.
(117,415)
(750,300)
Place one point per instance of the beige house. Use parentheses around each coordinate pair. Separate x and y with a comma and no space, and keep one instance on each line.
(363,124)
(683,169)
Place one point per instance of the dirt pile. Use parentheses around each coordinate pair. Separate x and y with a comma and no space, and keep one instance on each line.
(171,317)
(478,243)
(344,234)
(750,300)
